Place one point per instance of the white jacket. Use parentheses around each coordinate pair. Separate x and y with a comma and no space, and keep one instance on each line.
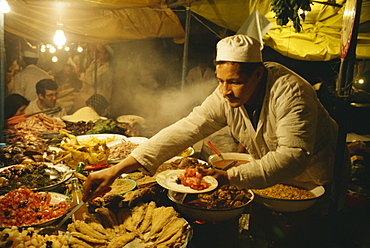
(25,81)
(295,137)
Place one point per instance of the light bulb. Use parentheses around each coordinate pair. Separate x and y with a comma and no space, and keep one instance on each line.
(43,48)
(66,48)
(4,6)
(59,38)
(54,59)
(52,49)
(80,49)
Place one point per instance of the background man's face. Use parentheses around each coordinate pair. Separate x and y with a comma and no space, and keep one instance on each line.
(50,98)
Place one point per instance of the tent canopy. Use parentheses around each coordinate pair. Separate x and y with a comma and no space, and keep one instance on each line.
(103,21)
(318,41)
(108,21)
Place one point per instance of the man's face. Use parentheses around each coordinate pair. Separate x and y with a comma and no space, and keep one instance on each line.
(237,87)
(50,98)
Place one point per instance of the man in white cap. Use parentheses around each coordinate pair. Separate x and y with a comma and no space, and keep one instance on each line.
(273,112)
(25,81)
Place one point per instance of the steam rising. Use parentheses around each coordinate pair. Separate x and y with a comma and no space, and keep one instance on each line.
(148,84)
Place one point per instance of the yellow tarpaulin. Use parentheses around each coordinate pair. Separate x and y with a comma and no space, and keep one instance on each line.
(319,40)
(93,21)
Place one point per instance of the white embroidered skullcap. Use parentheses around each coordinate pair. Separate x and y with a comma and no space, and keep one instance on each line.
(30,54)
(239,48)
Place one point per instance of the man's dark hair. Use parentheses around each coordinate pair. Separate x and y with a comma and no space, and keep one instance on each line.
(45,84)
(247,68)
(12,103)
(98,102)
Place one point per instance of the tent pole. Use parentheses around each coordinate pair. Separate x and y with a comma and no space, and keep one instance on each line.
(186,46)
(2,80)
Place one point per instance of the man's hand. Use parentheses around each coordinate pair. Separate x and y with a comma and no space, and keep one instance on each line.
(97,182)
(220,175)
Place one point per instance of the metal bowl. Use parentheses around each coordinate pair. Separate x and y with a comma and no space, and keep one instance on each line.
(205,214)
(229,157)
(286,205)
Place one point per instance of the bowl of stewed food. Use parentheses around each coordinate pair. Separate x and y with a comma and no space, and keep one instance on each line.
(288,198)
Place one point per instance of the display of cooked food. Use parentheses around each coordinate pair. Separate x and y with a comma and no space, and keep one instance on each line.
(145,225)
(30,176)
(23,207)
(226,197)
(193,179)
(20,151)
(40,122)
(282,191)
(120,186)
(121,150)
(182,163)
(29,237)
(79,128)
(85,114)
(90,151)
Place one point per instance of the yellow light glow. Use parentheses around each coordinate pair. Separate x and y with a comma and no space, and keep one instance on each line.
(52,49)
(80,49)
(54,59)
(4,6)
(67,48)
(43,48)
(59,38)
(361,81)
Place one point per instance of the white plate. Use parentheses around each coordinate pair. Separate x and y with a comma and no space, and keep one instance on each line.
(167,179)
(136,140)
(118,137)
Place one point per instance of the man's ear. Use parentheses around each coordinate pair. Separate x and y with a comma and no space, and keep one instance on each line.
(258,73)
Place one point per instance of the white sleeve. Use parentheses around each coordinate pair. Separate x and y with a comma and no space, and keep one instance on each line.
(200,123)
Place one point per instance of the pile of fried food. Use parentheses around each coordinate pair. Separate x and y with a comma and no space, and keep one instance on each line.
(39,122)
(282,191)
(145,225)
(92,151)
(227,196)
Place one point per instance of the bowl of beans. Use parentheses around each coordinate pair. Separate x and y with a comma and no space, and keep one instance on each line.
(288,198)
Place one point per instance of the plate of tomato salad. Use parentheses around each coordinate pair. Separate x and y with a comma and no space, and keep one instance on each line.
(186,181)
(25,208)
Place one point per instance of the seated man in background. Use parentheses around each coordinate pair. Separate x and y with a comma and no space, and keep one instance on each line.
(98,103)
(47,94)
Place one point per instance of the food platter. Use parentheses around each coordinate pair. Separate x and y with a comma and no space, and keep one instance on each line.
(136,140)
(55,199)
(68,118)
(167,179)
(125,146)
(114,137)
(58,174)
